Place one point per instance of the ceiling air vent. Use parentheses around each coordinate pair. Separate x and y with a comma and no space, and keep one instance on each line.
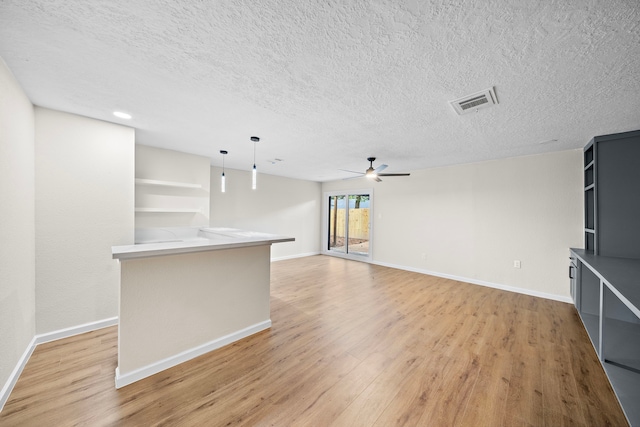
(475,102)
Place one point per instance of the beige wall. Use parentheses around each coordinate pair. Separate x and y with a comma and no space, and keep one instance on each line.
(472,221)
(17,238)
(84,205)
(220,292)
(284,206)
(176,167)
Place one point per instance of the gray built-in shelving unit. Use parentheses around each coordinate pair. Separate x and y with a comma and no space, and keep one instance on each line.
(612,195)
(606,274)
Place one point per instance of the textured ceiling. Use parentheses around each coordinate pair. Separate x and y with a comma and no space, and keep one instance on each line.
(325,84)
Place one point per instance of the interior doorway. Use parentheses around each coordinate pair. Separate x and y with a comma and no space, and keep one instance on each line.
(348,224)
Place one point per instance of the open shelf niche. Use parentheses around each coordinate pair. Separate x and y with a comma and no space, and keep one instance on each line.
(172,188)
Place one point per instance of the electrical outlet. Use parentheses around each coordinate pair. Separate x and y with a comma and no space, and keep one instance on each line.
(424,257)
(516,263)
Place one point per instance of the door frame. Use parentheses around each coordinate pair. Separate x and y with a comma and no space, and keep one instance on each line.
(325,224)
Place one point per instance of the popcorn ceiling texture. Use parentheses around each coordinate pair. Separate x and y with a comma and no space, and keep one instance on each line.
(327,84)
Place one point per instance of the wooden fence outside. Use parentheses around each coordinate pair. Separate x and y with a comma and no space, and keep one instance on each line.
(358,223)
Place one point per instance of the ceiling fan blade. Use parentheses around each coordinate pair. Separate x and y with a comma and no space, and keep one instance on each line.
(380,169)
(353,177)
(376,179)
(394,174)
(346,170)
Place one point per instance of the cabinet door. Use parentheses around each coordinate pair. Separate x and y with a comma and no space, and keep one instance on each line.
(617,201)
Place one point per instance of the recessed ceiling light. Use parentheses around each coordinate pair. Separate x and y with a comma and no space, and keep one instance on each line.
(122,115)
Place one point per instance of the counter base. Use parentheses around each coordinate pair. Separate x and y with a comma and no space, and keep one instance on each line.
(170,362)
(176,307)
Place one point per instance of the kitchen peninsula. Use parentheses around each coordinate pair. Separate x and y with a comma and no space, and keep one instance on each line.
(187,291)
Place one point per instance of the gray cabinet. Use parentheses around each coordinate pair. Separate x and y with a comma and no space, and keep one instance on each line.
(608,301)
(612,195)
(605,277)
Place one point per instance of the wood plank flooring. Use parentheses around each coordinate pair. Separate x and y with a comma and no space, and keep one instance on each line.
(352,344)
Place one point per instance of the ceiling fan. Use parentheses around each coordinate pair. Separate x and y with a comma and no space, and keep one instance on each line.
(372,173)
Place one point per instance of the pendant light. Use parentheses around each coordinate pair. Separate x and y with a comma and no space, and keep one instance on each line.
(254,172)
(222,179)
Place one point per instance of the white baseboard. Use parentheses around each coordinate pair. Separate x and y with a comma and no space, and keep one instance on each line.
(15,374)
(43,338)
(479,282)
(75,330)
(146,371)
(282,258)
(523,291)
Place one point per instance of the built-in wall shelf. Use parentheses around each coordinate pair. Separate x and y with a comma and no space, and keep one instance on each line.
(611,204)
(156,182)
(605,276)
(168,210)
(172,188)
(607,297)
(167,184)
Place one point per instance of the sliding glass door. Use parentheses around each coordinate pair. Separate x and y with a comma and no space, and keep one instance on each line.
(337,220)
(348,224)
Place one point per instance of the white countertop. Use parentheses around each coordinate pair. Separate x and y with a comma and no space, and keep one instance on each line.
(196,239)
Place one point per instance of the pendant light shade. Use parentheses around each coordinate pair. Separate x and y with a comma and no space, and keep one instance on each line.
(254,172)
(223,179)
(254,177)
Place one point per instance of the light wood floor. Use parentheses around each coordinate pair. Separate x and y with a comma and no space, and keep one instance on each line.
(352,344)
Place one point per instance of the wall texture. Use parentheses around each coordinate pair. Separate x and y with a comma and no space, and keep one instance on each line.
(84,205)
(472,221)
(285,206)
(17,235)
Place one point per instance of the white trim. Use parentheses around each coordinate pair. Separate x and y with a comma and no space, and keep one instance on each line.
(146,371)
(43,338)
(282,258)
(75,330)
(479,282)
(15,374)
